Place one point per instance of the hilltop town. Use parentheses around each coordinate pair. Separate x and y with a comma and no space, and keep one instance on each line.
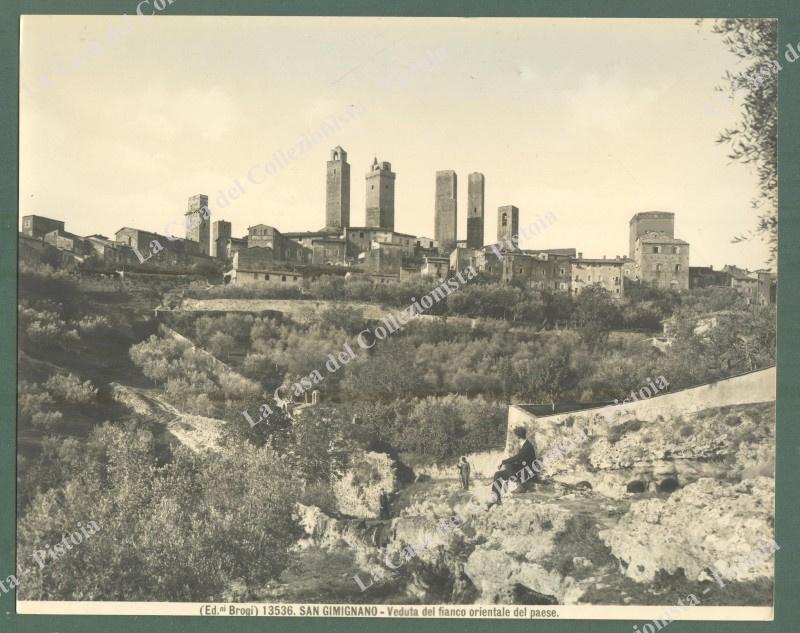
(266,255)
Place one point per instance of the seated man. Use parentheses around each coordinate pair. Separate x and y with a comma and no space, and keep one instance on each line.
(518,465)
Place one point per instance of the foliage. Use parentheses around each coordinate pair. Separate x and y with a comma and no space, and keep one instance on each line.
(35,407)
(754,140)
(69,388)
(189,530)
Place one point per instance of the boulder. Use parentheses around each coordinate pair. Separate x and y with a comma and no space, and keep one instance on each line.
(708,524)
(368,475)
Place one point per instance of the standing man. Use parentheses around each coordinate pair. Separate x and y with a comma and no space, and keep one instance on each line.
(463,471)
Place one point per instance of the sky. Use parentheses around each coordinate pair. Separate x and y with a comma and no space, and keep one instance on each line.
(591,120)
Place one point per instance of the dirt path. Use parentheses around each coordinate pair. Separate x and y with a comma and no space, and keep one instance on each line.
(197,432)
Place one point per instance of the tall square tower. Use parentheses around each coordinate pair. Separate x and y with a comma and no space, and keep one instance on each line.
(380,195)
(508,224)
(198,222)
(661,222)
(219,230)
(475,213)
(446,214)
(337,191)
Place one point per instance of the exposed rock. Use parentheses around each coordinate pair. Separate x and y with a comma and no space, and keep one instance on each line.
(358,491)
(707,524)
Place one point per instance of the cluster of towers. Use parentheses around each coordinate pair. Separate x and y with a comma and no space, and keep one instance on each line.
(380,193)
(446,216)
(380,183)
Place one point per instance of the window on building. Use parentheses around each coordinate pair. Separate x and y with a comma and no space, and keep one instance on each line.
(504,219)
(677,268)
(616,280)
(656,249)
(283,277)
(562,271)
(676,249)
(658,268)
(266,277)
(617,290)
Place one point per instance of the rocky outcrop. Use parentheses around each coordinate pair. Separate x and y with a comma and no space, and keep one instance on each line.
(368,475)
(708,525)
(724,443)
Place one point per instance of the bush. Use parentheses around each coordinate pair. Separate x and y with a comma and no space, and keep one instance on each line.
(68,388)
(186,531)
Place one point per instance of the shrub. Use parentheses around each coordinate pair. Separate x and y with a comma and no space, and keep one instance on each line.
(198,525)
(69,388)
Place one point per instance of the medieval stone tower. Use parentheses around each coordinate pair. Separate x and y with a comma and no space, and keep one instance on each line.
(198,222)
(475,199)
(220,230)
(380,196)
(446,214)
(662,222)
(508,224)
(337,191)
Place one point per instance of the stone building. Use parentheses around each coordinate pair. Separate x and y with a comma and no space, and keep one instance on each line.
(463,257)
(66,241)
(605,273)
(744,281)
(361,238)
(437,267)
(328,251)
(198,222)
(39,226)
(337,191)
(384,258)
(257,265)
(766,287)
(475,210)
(508,225)
(662,222)
(380,195)
(265,236)
(220,234)
(446,210)
(544,271)
(142,241)
(707,277)
(661,259)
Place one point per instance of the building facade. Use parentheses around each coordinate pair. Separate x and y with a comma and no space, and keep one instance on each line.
(544,271)
(446,210)
(39,226)
(198,222)
(220,233)
(508,225)
(475,209)
(337,191)
(707,277)
(380,195)
(608,274)
(662,261)
(660,222)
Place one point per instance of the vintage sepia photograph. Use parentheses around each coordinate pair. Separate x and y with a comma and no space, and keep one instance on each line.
(397,317)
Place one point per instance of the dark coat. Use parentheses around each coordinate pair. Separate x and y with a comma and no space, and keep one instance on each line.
(525,453)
